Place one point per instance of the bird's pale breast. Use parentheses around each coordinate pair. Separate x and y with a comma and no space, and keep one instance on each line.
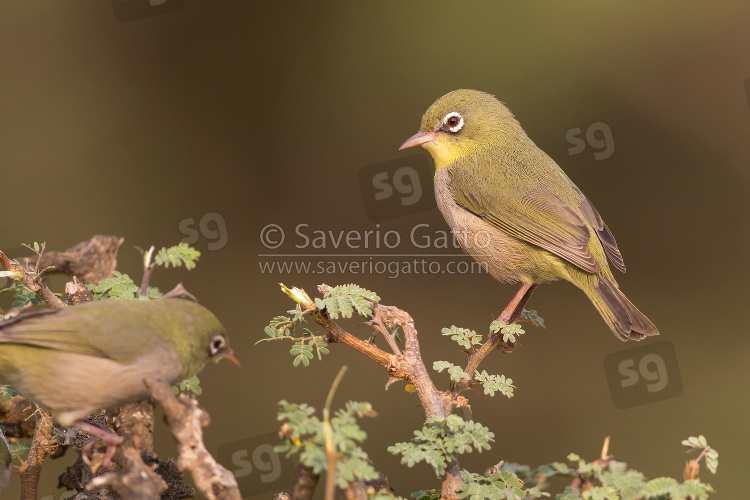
(505,257)
(75,385)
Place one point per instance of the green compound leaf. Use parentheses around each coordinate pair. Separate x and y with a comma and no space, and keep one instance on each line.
(191,384)
(701,443)
(463,336)
(495,383)
(119,286)
(280,326)
(180,254)
(441,440)
(7,392)
(343,300)
(320,345)
(695,490)
(304,436)
(531,315)
(456,372)
(302,352)
(660,487)
(23,296)
(153,293)
(628,483)
(509,332)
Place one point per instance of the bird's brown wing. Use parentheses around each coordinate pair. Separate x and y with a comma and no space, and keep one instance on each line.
(519,213)
(602,231)
(64,330)
(50,329)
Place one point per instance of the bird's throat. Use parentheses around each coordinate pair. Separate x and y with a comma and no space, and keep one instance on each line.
(445,154)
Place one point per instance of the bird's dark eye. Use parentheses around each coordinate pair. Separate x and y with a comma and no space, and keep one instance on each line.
(453,122)
(217,344)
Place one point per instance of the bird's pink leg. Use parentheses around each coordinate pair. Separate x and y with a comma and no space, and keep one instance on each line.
(514,309)
(98,433)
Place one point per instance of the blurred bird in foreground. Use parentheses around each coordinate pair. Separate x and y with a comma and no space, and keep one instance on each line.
(96,355)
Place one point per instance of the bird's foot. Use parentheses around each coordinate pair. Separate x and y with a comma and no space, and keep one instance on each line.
(98,433)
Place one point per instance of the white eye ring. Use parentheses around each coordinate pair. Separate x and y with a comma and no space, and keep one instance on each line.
(217,344)
(455,127)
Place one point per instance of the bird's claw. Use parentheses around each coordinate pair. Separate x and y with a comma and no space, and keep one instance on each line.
(86,454)
(98,433)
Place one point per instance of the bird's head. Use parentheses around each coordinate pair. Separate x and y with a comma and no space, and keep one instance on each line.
(200,338)
(210,346)
(218,349)
(460,123)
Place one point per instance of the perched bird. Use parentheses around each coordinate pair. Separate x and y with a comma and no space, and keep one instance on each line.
(516,212)
(96,355)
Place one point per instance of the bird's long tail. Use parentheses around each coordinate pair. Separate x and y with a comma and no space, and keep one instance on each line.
(625,320)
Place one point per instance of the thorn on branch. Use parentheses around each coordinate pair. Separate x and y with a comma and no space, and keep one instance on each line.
(77,293)
(181,292)
(33,281)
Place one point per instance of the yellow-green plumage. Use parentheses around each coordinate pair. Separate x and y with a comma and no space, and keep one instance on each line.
(96,355)
(513,208)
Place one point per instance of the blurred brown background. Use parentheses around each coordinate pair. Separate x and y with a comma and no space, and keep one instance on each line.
(265,113)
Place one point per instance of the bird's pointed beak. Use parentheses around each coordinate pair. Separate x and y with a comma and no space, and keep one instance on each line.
(418,139)
(229,355)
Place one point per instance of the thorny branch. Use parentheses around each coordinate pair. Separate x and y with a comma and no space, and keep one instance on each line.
(44,443)
(91,261)
(33,280)
(44,440)
(406,364)
(493,341)
(186,421)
